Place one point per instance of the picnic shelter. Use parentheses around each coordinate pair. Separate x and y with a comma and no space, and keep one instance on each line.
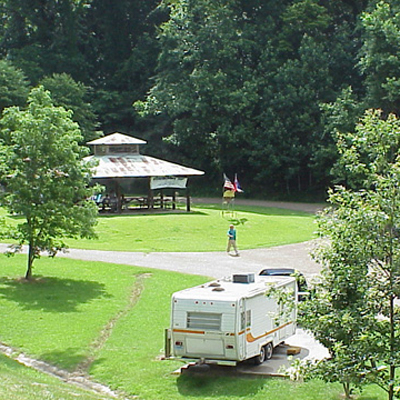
(136,181)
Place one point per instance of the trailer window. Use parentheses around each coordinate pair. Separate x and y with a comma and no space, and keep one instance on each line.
(207,321)
(242,320)
(248,318)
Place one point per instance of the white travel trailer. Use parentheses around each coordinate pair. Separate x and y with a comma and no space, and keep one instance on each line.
(231,320)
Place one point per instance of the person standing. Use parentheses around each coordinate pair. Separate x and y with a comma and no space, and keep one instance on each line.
(232,240)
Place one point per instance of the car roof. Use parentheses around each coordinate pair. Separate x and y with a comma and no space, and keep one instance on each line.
(277,271)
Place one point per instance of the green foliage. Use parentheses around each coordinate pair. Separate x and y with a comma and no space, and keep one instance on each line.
(250,77)
(339,116)
(72,95)
(121,50)
(13,86)
(41,36)
(242,82)
(44,178)
(354,312)
(380,55)
(371,152)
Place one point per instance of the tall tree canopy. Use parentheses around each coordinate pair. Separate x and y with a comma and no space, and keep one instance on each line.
(251,76)
(380,56)
(14,87)
(251,85)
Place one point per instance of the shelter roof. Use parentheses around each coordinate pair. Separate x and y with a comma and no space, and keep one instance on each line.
(128,165)
(117,139)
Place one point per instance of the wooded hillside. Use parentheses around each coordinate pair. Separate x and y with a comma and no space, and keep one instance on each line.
(253,87)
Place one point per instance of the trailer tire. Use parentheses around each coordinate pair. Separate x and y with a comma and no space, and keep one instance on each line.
(258,360)
(269,349)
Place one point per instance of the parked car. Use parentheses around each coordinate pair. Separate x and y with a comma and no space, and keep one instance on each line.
(302,286)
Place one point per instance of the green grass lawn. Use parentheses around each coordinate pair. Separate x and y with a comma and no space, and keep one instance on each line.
(202,230)
(18,382)
(115,314)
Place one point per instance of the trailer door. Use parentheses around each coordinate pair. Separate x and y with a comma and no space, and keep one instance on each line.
(242,324)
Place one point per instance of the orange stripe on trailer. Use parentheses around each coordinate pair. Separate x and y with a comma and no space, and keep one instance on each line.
(187,331)
(250,338)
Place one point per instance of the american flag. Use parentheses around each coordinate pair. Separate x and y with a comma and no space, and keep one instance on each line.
(237,185)
(228,184)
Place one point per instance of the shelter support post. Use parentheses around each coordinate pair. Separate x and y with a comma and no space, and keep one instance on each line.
(119,196)
(151,199)
(187,200)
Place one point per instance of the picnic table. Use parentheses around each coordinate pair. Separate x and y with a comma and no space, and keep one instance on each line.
(110,202)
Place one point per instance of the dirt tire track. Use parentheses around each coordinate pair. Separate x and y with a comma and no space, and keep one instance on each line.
(80,377)
(83,368)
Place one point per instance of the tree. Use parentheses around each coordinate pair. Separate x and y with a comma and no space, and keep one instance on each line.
(73,96)
(242,82)
(121,51)
(341,115)
(380,53)
(44,36)
(354,312)
(45,180)
(14,87)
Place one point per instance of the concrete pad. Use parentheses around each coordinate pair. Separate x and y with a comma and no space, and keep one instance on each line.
(308,347)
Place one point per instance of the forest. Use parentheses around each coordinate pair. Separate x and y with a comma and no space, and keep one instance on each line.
(258,88)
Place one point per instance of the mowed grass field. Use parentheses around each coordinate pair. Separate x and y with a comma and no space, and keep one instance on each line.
(204,229)
(108,320)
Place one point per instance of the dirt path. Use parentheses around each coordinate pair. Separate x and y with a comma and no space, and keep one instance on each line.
(68,377)
(212,264)
(83,368)
(215,264)
(306,207)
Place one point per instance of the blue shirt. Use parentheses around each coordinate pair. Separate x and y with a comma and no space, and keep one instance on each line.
(232,234)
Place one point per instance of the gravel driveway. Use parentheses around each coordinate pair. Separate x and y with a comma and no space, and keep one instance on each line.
(212,264)
(219,264)
(215,264)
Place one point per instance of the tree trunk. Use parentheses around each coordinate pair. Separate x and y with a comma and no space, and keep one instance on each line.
(31,257)
(392,373)
(347,390)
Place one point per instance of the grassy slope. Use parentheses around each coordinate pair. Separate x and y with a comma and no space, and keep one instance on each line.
(45,318)
(18,382)
(59,317)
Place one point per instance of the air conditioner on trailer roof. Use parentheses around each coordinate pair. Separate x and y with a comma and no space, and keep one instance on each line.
(243,278)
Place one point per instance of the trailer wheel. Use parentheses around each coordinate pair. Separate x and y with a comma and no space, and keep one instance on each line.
(258,360)
(269,349)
